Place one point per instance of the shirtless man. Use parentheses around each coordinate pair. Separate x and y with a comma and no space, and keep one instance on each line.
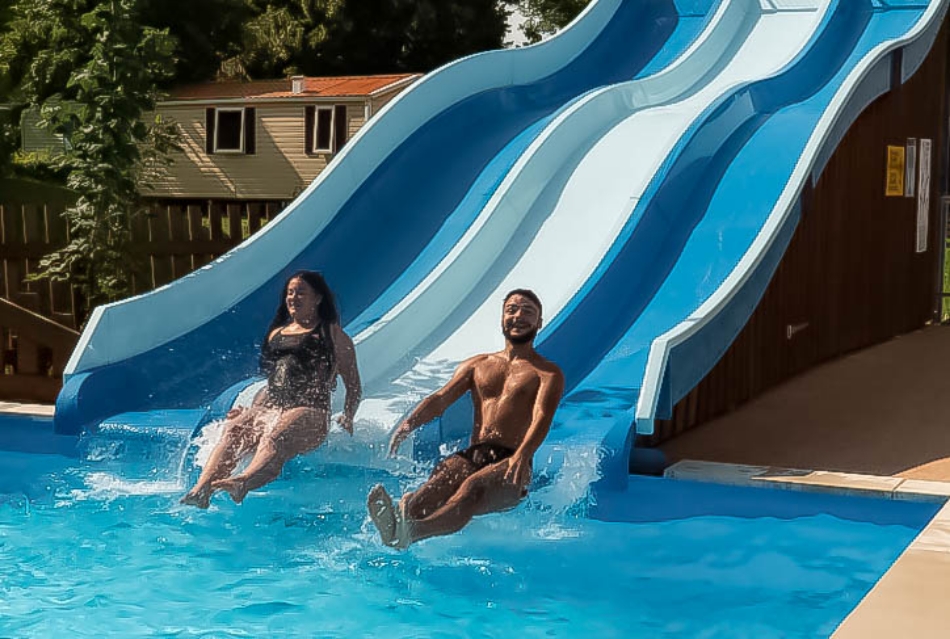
(515,392)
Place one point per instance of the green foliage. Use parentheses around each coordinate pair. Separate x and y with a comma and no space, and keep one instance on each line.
(8,142)
(544,17)
(205,38)
(38,165)
(337,37)
(93,70)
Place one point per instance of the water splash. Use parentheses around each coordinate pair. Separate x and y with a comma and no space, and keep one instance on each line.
(102,486)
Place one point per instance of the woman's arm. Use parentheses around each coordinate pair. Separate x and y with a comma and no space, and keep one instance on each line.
(348,370)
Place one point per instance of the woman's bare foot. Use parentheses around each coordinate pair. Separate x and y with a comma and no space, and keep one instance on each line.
(200,497)
(234,486)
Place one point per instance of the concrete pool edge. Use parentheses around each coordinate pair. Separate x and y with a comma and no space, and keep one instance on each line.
(30,410)
(909,599)
(810,480)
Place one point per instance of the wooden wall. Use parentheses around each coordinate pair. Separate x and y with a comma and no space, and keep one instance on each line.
(851,276)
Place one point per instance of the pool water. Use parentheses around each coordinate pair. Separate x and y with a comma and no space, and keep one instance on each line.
(89,549)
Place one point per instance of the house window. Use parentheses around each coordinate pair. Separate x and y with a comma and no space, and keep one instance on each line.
(325,128)
(323,131)
(231,130)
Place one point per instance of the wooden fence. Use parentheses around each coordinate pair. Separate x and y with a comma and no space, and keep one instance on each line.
(38,320)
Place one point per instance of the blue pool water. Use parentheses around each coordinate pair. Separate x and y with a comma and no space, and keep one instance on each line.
(94,548)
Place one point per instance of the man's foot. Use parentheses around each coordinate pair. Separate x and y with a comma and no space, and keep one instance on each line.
(382,512)
(234,486)
(200,497)
(403,535)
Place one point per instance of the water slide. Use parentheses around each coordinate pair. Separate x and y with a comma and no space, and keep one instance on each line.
(648,208)
(412,179)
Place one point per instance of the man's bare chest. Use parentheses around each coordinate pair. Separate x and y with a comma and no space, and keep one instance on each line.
(506,381)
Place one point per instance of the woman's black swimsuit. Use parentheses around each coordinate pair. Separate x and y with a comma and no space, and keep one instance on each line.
(299,369)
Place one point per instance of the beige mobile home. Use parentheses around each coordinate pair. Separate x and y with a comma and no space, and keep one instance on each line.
(265,140)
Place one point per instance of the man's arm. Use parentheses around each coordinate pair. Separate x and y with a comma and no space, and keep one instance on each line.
(435,404)
(549,395)
(346,365)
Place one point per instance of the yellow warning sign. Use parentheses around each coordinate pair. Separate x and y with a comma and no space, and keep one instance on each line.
(895,171)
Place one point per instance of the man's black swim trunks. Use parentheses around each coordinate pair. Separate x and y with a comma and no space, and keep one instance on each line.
(485,454)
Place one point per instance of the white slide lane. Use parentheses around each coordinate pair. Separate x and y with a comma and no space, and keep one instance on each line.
(594,203)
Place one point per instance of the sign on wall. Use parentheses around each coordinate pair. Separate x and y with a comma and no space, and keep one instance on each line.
(895,171)
(923,195)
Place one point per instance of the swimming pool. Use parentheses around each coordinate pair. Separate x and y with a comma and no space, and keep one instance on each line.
(98,546)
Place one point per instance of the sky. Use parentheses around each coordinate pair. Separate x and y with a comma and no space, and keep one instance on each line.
(515,37)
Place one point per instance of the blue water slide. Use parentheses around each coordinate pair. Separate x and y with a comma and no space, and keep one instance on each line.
(406,185)
(595,165)
(523,221)
(693,17)
(687,274)
(580,181)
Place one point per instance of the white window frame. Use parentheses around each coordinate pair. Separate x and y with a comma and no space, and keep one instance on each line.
(316,128)
(217,129)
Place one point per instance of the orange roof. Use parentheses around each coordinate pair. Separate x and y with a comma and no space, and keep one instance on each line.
(338,87)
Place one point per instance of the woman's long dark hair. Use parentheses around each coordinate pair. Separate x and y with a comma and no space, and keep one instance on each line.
(326,311)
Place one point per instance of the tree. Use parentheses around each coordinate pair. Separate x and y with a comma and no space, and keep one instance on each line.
(93,70)
(7,141)
(439,32)
(334,37)
(204,39)
(544,17)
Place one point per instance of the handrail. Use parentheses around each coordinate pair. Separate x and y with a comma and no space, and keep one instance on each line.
(37,328)
(35,378)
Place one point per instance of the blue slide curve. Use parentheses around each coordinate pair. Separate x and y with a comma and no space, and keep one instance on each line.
(663,300)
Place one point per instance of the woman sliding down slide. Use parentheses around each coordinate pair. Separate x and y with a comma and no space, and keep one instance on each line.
(304,351)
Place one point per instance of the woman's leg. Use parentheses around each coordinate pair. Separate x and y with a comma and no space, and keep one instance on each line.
(237,439)
(299,430)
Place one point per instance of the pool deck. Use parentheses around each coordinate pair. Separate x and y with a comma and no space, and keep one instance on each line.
(881,411)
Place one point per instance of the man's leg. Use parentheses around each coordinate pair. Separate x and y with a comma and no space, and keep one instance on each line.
(238,437)
(445,479)
(483,492)
(298,431)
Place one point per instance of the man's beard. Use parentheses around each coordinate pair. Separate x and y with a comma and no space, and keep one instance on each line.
(519,339)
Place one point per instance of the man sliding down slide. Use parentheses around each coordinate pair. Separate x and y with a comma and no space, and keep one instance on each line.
(515,392)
